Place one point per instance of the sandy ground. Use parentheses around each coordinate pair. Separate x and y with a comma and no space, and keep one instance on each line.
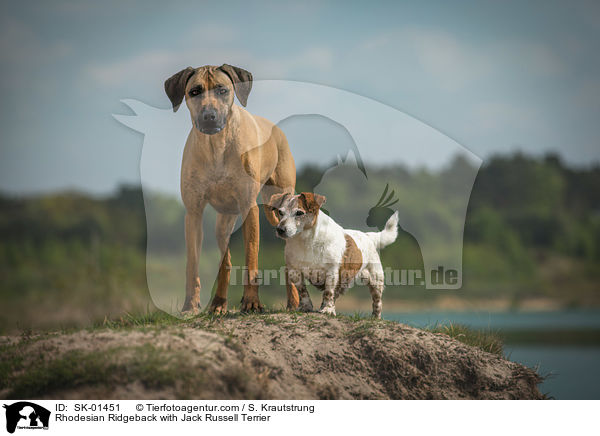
(284,356)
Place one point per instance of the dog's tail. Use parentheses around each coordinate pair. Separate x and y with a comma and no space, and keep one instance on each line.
(388,235)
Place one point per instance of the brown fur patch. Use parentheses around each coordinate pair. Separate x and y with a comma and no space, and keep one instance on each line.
(351,264)
(311,203)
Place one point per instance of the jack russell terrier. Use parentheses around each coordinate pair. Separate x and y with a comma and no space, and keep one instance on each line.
(330,257)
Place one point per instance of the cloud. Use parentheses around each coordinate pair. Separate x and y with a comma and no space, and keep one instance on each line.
(319,59)
(486,90)
(449,63)
(587,94)
(126,70)
(454,64)
(494,117)
(158,64)
(20,46)
(539,60)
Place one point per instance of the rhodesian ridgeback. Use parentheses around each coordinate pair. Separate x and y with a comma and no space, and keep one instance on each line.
(229,158)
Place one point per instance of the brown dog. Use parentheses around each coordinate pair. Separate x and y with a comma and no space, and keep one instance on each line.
(229,157)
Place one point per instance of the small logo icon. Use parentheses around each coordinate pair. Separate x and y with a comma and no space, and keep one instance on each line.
(26,415)
(381,212)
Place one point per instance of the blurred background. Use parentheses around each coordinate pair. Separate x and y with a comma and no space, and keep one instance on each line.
(516,83)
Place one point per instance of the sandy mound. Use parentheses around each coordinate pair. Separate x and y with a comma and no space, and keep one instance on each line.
(274,356)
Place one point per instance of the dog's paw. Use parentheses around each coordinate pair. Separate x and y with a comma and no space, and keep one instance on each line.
(251,304)
(218,305)
(190,313)
(191,307)
(329,310)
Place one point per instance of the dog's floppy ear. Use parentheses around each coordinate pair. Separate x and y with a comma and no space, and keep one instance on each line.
(242,81)
(175,86)
(312,202)
(276,200)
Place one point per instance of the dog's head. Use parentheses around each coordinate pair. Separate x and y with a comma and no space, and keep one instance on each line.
(296,213)
(208,93)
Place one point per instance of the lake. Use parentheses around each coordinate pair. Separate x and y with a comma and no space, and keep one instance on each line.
(573,370)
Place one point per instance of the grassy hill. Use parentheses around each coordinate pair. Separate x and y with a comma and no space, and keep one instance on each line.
(260,356)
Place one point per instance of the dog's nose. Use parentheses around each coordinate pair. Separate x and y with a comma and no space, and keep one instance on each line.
(209,115)
(280,231)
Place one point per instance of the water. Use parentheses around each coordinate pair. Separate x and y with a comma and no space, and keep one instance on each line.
(573,370)
(579,318)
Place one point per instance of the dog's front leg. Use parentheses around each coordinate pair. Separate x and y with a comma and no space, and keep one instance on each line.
(193,243)
(305,301)
(292,293)
(329,294)
(224,228)
(251,231)
(296,278)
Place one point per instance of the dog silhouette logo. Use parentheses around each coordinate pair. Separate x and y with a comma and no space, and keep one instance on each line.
(26,415)
(387,146)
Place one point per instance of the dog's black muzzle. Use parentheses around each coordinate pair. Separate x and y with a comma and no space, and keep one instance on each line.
(209,121)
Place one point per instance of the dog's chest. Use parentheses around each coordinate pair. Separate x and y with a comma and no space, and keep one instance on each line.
(314,254)
(221,181)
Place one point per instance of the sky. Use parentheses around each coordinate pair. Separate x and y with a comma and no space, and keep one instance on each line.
(495,77)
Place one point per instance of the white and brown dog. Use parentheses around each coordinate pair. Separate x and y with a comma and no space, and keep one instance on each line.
(330,257)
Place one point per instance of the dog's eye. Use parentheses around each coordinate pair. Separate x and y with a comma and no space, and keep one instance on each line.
(299,213)
(222,90)
(194,92)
